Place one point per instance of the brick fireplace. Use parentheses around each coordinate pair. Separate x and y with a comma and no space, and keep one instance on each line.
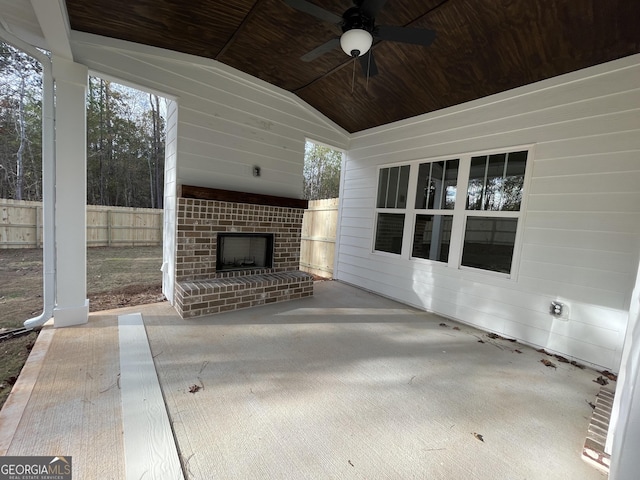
(203,217)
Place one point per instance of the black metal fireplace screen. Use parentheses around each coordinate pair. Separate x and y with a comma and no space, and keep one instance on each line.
(244,251)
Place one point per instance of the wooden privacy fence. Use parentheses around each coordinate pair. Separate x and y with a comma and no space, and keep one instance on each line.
(319,225)
(21,225)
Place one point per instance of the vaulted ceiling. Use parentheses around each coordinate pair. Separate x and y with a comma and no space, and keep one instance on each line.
(481,47)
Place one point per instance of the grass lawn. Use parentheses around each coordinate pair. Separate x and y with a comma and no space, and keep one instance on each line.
(116,277)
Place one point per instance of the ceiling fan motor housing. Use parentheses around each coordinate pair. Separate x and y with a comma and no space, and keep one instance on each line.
(356,18)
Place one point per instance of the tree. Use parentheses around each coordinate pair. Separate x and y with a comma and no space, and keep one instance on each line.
(20,125)
(125,146)
(125,138)
(321,172)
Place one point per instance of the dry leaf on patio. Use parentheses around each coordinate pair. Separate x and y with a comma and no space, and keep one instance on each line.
(443,325)
(493,335)
(576,364)
(609,375)
(561,359)
(194,388)
(547,363)
(517,351)
(456,328)
(601,380)
(478,436)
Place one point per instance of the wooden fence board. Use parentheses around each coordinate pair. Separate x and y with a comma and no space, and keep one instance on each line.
(21,225)
(317,250)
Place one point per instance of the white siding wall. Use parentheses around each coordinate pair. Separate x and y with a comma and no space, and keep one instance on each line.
(227,121)
(581,236)
(170,195)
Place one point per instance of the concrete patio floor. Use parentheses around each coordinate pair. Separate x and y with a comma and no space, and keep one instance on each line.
(345,384)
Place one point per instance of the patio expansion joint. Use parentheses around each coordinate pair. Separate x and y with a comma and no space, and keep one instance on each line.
(150,450)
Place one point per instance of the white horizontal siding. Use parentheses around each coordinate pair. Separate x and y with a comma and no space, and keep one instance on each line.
(169,217)
(581,230)
(227,121)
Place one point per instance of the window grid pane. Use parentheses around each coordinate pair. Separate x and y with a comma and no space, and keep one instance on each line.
(383,180)
(432,237)
(393,187)
(389,232)
(496,182)
(403,186)
(393,183)
(477,176)
(514,181)
(489,243)
(437,183)
(450,183)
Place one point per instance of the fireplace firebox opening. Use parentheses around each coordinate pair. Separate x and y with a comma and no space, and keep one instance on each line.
(244,251)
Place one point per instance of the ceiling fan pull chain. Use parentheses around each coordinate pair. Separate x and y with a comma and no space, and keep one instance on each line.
(368,71)
(353,75)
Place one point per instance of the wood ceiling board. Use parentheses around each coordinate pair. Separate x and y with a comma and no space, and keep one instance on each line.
(272,43)
(197,27)
(481,48)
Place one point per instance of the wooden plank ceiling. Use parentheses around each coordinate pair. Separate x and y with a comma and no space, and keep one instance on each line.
(481,48)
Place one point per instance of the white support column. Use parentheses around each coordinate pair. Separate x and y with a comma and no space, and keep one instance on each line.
(623,440)
(72,305)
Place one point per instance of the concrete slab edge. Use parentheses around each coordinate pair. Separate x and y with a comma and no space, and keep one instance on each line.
(14,407)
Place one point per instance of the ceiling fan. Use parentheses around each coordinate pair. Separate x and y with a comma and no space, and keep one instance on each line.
(359,29)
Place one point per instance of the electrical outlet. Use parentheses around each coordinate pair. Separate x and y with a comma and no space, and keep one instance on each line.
(556,309)
(560,310)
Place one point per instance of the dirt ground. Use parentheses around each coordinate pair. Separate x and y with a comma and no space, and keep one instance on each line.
(116,277)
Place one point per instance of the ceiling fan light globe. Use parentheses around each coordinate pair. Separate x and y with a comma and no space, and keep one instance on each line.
(356,42)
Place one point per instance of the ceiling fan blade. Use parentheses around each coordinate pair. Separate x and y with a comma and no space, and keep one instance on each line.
(368,64)
(314,10)
(416,36)
(371,7)
(321,50)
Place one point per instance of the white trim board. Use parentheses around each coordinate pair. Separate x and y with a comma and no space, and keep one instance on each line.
(149,446)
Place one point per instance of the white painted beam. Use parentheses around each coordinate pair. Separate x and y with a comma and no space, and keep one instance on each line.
(54,22)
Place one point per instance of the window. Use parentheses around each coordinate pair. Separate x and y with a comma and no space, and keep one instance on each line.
(464,212)
(393,183)
(436,194)
(496,183)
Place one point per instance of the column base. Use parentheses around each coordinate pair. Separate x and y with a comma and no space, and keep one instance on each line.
(69,316)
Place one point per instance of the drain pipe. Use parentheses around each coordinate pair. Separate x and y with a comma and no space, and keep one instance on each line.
(48,198)
(48,181)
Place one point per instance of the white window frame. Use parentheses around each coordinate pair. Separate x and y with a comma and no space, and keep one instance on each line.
(459,212)
(398,211)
